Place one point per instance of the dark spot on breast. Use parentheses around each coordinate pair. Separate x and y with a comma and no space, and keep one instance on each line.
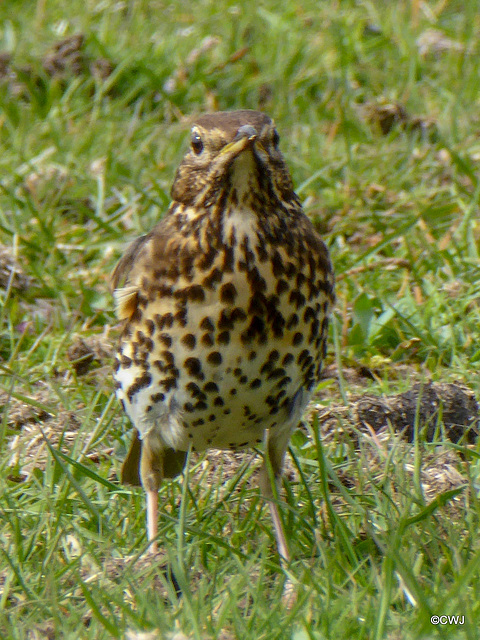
(257,282)
(302,355)
(125,361)
(309,314)
(214,357)
(300,279)
(198,422)
(238,315)
(194,368)
(281,287)
(218,402)
(166,339)
(262,253)
(168,357)
(314,327)
(276,373)
(296,298)
(193,293)
(274,355)
(297,339)
(169,383)
(207,324)
(212,417)
(228,293)
(140,383)
(207,259)
(283,382)
(189,341)
(277,264)
(223,337)
(187,268)
(213,278)
(228,259)
(307,363)
(252,355)
(287,359)
(164,322)
(255,383)
(150,326)
(181,317)
(188,406)
(243,379)
(210,387)
(256,328)
(292,322)
(266,367)
(257,304)
(157,397)
(195,391)
(290,269)
(207,340)
(160,289)
(233,392)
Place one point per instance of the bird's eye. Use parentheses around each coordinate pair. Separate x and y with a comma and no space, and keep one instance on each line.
(275,138)
(197,144)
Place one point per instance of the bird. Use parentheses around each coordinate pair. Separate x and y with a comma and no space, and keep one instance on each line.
(224,308)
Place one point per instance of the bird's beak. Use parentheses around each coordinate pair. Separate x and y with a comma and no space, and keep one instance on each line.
(246,135)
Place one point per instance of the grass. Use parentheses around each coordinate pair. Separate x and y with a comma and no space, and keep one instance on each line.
(384,533)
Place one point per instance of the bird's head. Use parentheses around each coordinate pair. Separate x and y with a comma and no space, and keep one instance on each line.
(233,154)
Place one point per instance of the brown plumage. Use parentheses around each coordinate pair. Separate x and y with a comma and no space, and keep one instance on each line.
(225,308)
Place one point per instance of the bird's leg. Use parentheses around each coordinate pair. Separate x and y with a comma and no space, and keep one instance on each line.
(279,532)
(151,472)
(274,454)
(152,519)
(275,447)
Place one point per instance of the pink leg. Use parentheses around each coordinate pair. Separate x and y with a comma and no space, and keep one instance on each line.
(275,451)
(152,519)
(279,532)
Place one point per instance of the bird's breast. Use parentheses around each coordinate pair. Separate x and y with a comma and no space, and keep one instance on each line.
(214,360)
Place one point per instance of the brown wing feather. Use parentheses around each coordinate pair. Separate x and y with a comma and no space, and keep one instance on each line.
(126,297)
(125,264)
(159,253)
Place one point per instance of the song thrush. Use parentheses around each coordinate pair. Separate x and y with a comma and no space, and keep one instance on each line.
(225,306)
